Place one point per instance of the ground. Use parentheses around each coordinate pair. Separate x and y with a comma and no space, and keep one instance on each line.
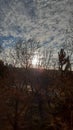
(47,106)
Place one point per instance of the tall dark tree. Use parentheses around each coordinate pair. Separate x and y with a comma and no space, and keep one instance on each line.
(64,60)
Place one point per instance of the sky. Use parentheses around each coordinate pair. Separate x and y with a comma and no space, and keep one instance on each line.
(46,21)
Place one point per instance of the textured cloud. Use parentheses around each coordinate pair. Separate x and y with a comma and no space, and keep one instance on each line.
(43,20)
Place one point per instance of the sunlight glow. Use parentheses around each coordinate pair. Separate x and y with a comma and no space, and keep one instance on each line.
(35,61)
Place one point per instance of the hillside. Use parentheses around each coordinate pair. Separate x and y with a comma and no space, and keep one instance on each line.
(36,99)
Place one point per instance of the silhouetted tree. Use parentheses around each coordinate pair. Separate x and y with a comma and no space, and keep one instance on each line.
(24,54)
(17,104)
(61,56)
(1,68)
(64,60)
(68,65)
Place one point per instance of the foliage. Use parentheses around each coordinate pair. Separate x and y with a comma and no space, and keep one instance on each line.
(48,106)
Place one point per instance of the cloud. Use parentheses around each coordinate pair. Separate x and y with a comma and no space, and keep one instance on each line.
(43,20)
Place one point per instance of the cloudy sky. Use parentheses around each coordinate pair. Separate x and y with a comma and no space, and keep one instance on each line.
(45,21)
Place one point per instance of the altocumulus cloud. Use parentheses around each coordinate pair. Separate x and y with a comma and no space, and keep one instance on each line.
(43,20)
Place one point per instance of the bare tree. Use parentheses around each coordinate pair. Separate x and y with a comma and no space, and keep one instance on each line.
(64,60)
(19,101)
(18,104)
(25,51)
(45,57)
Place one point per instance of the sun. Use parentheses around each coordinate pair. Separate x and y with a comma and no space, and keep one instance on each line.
(35,61)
